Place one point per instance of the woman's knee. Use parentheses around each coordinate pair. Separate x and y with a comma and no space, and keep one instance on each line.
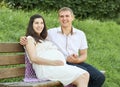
(83,77)
(86,75)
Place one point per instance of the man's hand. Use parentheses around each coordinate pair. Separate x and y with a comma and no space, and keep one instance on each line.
(73,58)
(23,40)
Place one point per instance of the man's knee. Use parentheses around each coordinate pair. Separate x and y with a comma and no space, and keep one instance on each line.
(101,78)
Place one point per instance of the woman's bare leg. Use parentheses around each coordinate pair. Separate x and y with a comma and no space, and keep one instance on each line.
(82,80)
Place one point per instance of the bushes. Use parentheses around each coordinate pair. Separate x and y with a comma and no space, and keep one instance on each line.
(82,8)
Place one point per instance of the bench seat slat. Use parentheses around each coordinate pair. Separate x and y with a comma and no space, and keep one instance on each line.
(11,47)
(12,59)
(12,72)
(32,84)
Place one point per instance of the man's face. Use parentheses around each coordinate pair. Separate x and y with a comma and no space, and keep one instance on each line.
(66,18)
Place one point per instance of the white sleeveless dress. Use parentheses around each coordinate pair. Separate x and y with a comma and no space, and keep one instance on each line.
(65,74)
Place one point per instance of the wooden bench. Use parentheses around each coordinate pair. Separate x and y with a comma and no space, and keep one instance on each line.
(12,65)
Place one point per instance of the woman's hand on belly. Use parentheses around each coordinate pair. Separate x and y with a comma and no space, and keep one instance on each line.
(58,63)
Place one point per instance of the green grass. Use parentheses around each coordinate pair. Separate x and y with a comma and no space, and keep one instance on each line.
(104,47)
(103,39)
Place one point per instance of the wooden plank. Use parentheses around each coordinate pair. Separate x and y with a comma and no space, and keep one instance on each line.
(11,47)
(32,84)
(12,59)
(11,72)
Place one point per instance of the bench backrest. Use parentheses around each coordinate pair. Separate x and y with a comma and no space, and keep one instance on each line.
(11,60)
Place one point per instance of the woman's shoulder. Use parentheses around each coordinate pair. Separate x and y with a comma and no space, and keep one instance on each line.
(30,38)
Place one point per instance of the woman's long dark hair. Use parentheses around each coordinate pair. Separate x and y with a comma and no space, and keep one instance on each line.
(30,31)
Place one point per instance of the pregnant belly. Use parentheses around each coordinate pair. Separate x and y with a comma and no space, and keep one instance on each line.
(52,54)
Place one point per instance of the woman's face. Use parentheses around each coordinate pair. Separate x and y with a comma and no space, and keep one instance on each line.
(38,25)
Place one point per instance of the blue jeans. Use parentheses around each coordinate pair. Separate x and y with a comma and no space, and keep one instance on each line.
(96,77)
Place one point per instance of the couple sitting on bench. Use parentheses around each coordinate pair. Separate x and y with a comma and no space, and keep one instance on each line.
(48,62)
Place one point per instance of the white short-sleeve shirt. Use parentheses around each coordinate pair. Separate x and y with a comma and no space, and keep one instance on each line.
(70,44)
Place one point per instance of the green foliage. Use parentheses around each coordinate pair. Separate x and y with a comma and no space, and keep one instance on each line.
(11,80)
(14,24)
(103,39)
(98,9)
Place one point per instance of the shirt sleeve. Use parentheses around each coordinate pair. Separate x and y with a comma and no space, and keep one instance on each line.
(84,44)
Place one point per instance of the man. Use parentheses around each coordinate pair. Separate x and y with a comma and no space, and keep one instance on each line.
(72,43)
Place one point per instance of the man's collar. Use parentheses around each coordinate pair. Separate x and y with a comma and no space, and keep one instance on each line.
(72,30)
